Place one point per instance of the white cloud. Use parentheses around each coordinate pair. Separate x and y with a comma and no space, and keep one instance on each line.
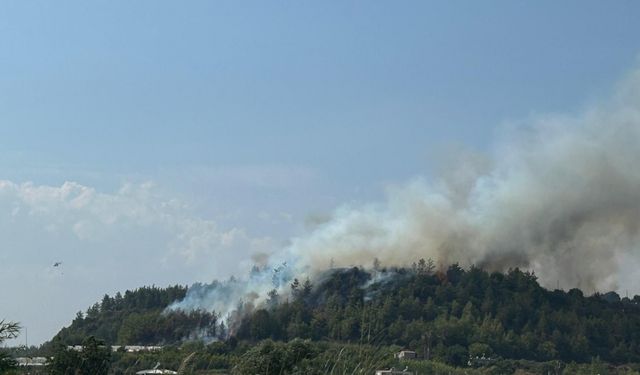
(107,241)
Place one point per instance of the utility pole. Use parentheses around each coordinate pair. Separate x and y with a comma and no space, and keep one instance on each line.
(427,345)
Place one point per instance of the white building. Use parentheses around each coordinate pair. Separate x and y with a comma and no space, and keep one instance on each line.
(156,370)
(406,354)
(140,348)
(31,361)
(127,348)
(393,371)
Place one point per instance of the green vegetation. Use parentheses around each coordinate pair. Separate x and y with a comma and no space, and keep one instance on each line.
(452,314)
(95,359)
(310,358)
(8,330)
(138,318)
(353,321)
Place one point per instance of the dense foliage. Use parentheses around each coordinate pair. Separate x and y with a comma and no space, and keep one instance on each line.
(8,330)
(322,357)
(94,359)
(453,314)
(353,320)
(138,318)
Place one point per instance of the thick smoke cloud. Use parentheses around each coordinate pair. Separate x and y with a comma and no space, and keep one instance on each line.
(560,195)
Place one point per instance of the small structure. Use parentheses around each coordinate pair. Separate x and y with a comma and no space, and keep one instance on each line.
(127,348)
(140,348)
(405,354)
(156,370)
(31,361)
(479,361)
(393,371)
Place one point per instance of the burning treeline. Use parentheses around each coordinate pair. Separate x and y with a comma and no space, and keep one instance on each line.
(560,196)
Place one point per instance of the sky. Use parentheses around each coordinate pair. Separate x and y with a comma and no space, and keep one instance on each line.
(158,142)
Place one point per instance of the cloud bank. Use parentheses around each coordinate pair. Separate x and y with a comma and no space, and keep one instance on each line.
(107,242)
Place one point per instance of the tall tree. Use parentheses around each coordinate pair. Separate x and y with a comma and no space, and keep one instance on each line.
(8,330)
(94,359)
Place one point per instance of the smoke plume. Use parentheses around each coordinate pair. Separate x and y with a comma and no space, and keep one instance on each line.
(560,196)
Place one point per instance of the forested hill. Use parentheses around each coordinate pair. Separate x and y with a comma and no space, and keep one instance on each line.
(451,314)
(137,318)
(447,316)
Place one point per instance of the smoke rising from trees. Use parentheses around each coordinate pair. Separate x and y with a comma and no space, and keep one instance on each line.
(560,196)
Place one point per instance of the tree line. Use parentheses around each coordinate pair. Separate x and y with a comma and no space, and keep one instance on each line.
(449,317)
(454,314)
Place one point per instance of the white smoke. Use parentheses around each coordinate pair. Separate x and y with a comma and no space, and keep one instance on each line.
(560,196)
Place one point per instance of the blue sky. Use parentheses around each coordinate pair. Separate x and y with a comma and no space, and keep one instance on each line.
(257,117)
(133,88)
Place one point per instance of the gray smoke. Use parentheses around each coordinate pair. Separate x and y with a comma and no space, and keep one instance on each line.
(560,196)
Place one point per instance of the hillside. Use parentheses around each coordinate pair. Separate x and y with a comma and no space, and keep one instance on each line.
(455,313)
(445,316)
(138,318)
